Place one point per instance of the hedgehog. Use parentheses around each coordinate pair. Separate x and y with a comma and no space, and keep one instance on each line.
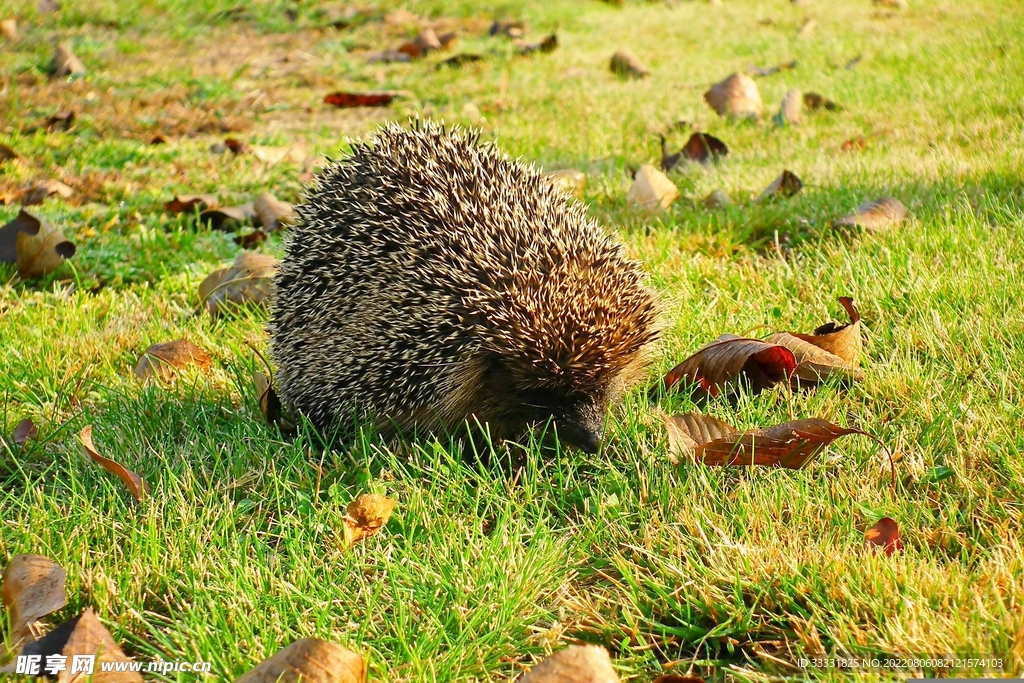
(432,285)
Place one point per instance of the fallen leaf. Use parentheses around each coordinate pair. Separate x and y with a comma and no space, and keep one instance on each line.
(38,193)
(32,587)
(625,63)
(84,635)
(65,63)
(874,216)
(36,246)
(736,96)
(885,534)
(807,28)
(250,239)
(365,517)
(726,358)
(549,44)
(841,340)
(310,660)
(717,200)
(188,203)
(459,60)
(791,444)
(425,43)
(246,281)
(7,154)
(25,430)
(509,29)
(228,217)
(136,486)
(786,185)
(574,664)
(791,108)
(651,190)
(272,213)
(348,100)
(814,364)
(571,180)
(62,120)
(162,361)
(9,29)
(704,148)
(676,678)
(814,101)
(859,142)
(236,146)
(448,40)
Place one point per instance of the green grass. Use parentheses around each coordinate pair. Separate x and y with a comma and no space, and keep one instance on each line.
(482,570)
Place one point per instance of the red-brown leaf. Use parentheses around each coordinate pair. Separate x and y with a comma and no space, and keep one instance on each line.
(134,482)
(885,534)
(349,100)
(729,356)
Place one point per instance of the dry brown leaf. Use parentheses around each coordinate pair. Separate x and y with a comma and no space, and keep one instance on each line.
(509,29)
(717,200)
(65,63)
(570,180)
(365,517)
(83,635)
(7,154)
(62,120)
(246,281)
(877,215)
(625,63)
(791,109)
(134,482)
(426,42)
(859,142)
(228,217)
(32,587)
(25,430)
(574,664)
(9,29)
(729,356)
(791,444)
(704,148)
(350,100)
(36,246)
(549,44)
(814,101)
(841,340)
(651,190)
(250,239)
(187,203)
(448,40)
(885,534)
(272,213)
(813,363)
(36,194)
(310,660)
(786,185)
(736,96)
(162,361)
(270,403)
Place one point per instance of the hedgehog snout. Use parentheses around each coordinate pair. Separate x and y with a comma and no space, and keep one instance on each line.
(582,427)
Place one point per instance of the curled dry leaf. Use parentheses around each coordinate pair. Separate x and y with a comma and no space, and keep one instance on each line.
(814,101)
(791,444)
(426,42)
(37,247)
(625,63)
(704,148)
(651,190)
(549,44)
(786,185)
(570,180)
(365,517)
(841,340)
(736,96)
(885,534)
(246,281)
(62,120)
(9,29)
(65,63)
(32,587)
(717,200)
(814,364)
(250,239)
(877,215)
(25,430)
(310,660)
(134,482)
(228,217)
(574,664)
(350,100)
(236,146)
(270,403)
(187,203)
(85,635)
(162,361)
(725,359)
(272,213)
(791,109)
(38,193)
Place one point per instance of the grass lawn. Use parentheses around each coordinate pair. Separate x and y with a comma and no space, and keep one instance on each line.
(728,573)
